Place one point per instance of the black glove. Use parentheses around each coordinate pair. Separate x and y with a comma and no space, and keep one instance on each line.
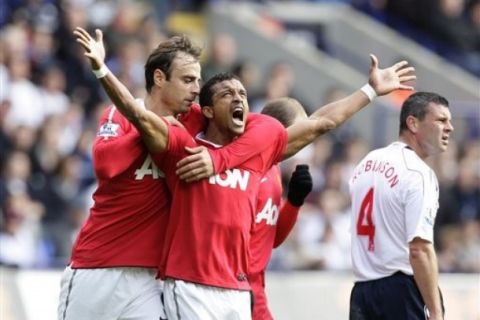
(300,185)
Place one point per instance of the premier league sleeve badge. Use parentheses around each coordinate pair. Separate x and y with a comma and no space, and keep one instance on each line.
(108,129)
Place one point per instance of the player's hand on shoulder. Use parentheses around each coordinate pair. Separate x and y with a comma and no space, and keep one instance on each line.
(395,77)
(198,165)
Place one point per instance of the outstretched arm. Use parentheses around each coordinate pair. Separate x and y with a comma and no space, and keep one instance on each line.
(332,115)
(153,129)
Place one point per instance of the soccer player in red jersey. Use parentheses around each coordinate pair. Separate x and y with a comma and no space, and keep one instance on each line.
(116,255)
(274,220)
(217,242)
(274,217)
(216,267)
(272,227)
(265,234)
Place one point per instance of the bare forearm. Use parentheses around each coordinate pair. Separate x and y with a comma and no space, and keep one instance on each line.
(153,130)
(336,113)
(122,98)
(425,270)
(300,134)
(326,118)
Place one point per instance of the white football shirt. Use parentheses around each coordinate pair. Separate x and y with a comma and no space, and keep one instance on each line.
(394,199)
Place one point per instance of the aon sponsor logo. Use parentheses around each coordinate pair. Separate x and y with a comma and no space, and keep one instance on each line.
(234,179)
(269,213)
(148,168)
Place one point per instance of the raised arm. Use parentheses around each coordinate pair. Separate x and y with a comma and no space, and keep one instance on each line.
(332,115)
(152,128)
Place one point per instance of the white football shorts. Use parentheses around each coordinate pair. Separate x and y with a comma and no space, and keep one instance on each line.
(110,293)
(191,301)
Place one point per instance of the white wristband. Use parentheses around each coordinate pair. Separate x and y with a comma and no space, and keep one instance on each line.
(369,91)
(102,72)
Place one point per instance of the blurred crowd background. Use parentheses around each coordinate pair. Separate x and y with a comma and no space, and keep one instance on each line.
(50,102)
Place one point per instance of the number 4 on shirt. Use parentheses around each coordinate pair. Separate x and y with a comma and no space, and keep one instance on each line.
(365,226)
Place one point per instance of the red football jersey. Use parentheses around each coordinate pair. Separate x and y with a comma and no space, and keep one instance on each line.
(272,224)
(127,222)
(208,235)
(269,200)
(193,121)
(251,143)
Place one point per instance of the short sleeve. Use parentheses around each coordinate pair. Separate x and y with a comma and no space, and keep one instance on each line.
(116,145)
(421,205)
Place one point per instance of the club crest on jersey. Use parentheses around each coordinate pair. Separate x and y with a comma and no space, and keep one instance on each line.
(108,129)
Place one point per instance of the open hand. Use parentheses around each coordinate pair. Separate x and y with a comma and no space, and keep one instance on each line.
(94,48)
(384,81)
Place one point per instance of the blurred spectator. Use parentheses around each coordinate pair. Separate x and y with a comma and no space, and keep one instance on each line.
(83,150)
(448,27)
(323,236)
(53,85)
(128,63)
(459,41)
(82,86)
(16,175)
(473,11)
(353,151)
(249,74)
(62,204)
(221,57)
(20,231)
(460,248)
(469,250)
(448,23)
(279,83)
(153,35)
(26,102)
(42,51)
(461,200)
(46,152)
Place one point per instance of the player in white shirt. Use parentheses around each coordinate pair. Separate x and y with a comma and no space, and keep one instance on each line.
(394,203)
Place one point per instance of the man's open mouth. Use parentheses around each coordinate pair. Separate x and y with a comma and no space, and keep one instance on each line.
(237,116)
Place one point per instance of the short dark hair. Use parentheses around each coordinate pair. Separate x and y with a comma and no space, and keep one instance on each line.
(206,93)
(162,57)
(282,109)
(417,105)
